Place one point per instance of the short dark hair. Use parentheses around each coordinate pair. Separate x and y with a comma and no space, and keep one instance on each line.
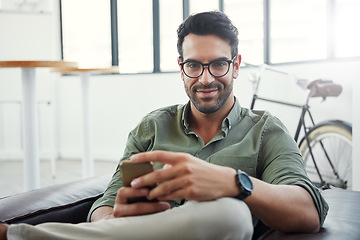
(209,23)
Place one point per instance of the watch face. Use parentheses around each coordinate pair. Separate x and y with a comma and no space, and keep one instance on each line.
(245,181)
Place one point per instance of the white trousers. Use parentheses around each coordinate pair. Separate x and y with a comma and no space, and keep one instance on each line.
(224,218)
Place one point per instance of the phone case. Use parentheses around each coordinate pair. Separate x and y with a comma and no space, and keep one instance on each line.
(130,171)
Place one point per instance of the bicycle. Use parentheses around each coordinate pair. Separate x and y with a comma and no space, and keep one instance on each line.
(326,147)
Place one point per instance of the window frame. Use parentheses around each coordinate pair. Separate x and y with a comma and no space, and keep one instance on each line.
(186,12)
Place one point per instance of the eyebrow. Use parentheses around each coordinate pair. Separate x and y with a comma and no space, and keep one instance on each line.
(216,59)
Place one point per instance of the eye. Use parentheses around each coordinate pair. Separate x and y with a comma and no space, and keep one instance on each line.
(193,65)
(219,64)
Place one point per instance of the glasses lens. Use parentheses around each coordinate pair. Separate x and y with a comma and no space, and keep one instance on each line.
(219,68)
(193,69)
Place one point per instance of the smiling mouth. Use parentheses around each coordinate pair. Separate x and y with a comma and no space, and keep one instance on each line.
(207,93)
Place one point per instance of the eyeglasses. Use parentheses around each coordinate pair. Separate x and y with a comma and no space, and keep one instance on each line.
(217,68)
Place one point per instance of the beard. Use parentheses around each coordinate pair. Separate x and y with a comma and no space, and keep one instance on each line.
(211,104)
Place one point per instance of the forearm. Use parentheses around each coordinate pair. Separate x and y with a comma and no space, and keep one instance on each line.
(3,231)
(286,208)
(104,212)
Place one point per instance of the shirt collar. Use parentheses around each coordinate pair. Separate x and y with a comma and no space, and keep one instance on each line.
(184,116)
(233,117)
(230,120)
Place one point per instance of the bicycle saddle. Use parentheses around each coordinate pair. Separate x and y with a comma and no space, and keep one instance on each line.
(324,88)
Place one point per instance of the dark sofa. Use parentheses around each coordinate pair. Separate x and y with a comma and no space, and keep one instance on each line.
(71,202)
(68,202)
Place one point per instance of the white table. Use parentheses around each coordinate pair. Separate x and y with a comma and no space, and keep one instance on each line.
(85,73)
(30,115)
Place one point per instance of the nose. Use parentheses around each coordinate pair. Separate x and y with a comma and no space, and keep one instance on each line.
(206,78)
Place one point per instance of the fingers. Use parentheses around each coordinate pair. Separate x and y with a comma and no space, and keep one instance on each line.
(173,189)
(179,169)
(153,178)
(159,156)
(166,166)
(125,193)
(175,165)
(187,177)
(123,209)
(138,209)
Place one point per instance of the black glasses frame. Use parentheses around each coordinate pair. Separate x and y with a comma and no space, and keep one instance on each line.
(208,66)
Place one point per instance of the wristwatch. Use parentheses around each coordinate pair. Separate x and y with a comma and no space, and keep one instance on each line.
(243,182)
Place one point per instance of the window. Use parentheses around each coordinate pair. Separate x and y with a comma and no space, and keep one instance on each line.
(298,30)
(276,31)
(86,39)
(197,6)
(169,23)
(247,16)
(135,29)
(346,33)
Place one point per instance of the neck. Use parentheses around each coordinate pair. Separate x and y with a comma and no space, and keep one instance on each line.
(208,125)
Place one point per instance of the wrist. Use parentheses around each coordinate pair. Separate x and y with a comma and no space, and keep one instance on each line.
(234,188)
(244,184)
(104,212)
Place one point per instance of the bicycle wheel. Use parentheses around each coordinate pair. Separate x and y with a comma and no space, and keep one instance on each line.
(334,139)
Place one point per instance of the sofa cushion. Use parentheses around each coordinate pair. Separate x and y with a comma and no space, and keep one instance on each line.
(68,202)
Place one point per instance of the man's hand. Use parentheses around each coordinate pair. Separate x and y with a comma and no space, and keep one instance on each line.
(187,177)
(3,231)
(183,177)
(123,209)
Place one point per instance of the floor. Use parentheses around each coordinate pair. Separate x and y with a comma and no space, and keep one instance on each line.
(11,173)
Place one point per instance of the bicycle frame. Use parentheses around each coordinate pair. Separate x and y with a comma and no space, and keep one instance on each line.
(301,124)
(305,109)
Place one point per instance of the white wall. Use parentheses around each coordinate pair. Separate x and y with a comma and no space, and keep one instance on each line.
(120,101)
(118,104)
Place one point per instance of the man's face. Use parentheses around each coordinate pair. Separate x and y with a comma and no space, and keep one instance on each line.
(206,92)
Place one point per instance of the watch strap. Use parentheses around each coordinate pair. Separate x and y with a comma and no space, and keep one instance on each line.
(244,193)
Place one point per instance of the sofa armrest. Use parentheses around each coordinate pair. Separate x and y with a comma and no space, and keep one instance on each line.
(342,221)
(68,202)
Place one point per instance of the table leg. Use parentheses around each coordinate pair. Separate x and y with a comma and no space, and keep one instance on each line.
(30,130)
(87,161)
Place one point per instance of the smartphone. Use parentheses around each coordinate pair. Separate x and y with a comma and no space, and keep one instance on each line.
(130,171)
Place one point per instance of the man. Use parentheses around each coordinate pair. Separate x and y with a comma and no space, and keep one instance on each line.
(205,152)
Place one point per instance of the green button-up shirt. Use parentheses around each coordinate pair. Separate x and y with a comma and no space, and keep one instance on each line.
(254,141)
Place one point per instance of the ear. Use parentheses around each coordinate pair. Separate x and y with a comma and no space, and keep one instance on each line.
(237,62)
(179,60)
